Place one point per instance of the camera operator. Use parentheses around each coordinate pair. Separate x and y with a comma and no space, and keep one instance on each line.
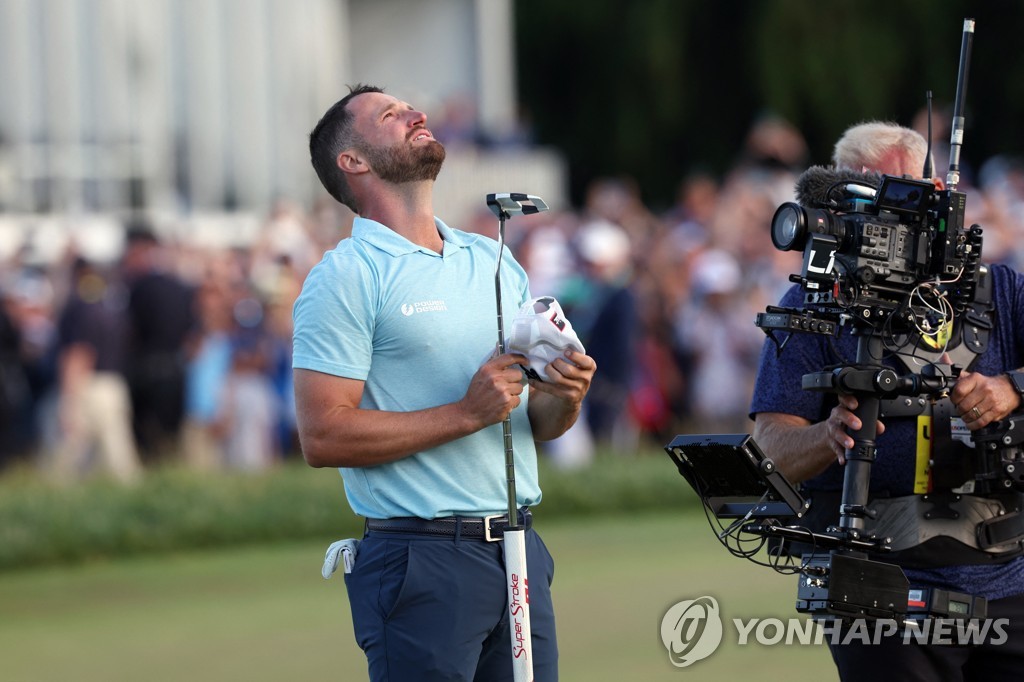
(805,433)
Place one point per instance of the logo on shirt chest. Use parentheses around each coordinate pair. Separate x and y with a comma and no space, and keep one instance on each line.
(432,306)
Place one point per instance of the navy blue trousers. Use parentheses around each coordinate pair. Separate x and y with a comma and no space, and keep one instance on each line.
(433,608)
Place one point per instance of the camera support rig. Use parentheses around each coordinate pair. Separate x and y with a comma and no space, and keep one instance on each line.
(866,262)
(846,583)
(869,383)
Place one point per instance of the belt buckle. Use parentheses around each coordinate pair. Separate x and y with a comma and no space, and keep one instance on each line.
(487,527)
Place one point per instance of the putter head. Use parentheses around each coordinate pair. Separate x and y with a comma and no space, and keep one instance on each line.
(510,203)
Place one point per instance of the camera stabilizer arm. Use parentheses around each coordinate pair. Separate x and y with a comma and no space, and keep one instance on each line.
(869,382)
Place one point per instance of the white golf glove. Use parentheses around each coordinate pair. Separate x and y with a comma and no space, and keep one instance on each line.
(541,332)
(342,551)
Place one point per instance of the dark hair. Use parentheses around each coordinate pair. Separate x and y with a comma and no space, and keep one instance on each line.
(332,135)
(139,230)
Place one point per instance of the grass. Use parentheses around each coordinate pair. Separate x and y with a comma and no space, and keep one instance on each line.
(175,509)
(264,613)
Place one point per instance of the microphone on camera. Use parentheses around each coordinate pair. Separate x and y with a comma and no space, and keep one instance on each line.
(824,186)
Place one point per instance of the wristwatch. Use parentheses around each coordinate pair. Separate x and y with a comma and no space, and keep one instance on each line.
(1017,381)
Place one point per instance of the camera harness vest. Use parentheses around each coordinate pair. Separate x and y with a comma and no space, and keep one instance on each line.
(943,523)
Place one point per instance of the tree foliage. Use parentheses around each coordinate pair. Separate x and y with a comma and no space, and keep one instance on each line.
(656,88)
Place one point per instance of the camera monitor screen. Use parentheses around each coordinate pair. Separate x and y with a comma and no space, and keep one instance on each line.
(733,477)
(903,196)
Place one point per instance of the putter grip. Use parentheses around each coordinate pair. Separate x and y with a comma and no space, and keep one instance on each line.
(518,605)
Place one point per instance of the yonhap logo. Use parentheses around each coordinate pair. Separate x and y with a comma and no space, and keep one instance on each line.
(691,630)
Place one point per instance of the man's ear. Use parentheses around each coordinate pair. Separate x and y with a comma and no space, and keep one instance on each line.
(351,161)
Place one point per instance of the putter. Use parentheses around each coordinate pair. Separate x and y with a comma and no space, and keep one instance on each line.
(505,206)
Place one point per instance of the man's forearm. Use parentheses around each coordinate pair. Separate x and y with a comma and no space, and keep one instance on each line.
(355,437)
(551,416)
(334,430)
(800,450)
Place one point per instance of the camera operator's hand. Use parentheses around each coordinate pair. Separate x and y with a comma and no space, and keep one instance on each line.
(802,449)
(839,420)
(981,399)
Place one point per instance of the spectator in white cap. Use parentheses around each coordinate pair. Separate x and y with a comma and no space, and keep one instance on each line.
(714,330)
(606,321)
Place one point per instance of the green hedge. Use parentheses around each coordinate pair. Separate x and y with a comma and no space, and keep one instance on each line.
(174,509)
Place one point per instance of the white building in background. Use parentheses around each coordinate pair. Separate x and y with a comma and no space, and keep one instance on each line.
(191,107)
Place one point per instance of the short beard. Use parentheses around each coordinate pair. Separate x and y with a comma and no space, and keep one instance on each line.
(403,163)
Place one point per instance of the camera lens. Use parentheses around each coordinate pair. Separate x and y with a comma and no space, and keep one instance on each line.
(789,227)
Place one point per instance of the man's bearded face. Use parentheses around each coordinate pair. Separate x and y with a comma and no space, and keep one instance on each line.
(405,162)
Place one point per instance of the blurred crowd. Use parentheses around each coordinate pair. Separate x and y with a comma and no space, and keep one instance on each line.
(172,353)
(177,353)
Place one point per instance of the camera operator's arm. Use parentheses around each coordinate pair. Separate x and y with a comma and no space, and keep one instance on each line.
(802,449)
(982,400)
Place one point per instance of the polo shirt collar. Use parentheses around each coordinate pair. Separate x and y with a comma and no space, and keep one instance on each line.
(394,244)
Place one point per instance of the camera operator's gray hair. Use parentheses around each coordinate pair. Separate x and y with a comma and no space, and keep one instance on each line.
(883,147)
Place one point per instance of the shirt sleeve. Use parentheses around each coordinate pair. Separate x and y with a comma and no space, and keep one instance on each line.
(1009,306)
(334,319)
(778,387)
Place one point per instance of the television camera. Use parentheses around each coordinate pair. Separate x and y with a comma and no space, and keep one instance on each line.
(889,258)
(893,255)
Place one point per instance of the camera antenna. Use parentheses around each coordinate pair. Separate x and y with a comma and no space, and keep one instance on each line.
(956,138)
(929,170)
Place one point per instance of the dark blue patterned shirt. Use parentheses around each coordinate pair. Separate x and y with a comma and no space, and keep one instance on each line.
(778,389)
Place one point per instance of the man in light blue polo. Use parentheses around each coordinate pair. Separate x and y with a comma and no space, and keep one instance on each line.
(397,385)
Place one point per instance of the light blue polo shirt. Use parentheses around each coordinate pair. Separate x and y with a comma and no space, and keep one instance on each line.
(416,325)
